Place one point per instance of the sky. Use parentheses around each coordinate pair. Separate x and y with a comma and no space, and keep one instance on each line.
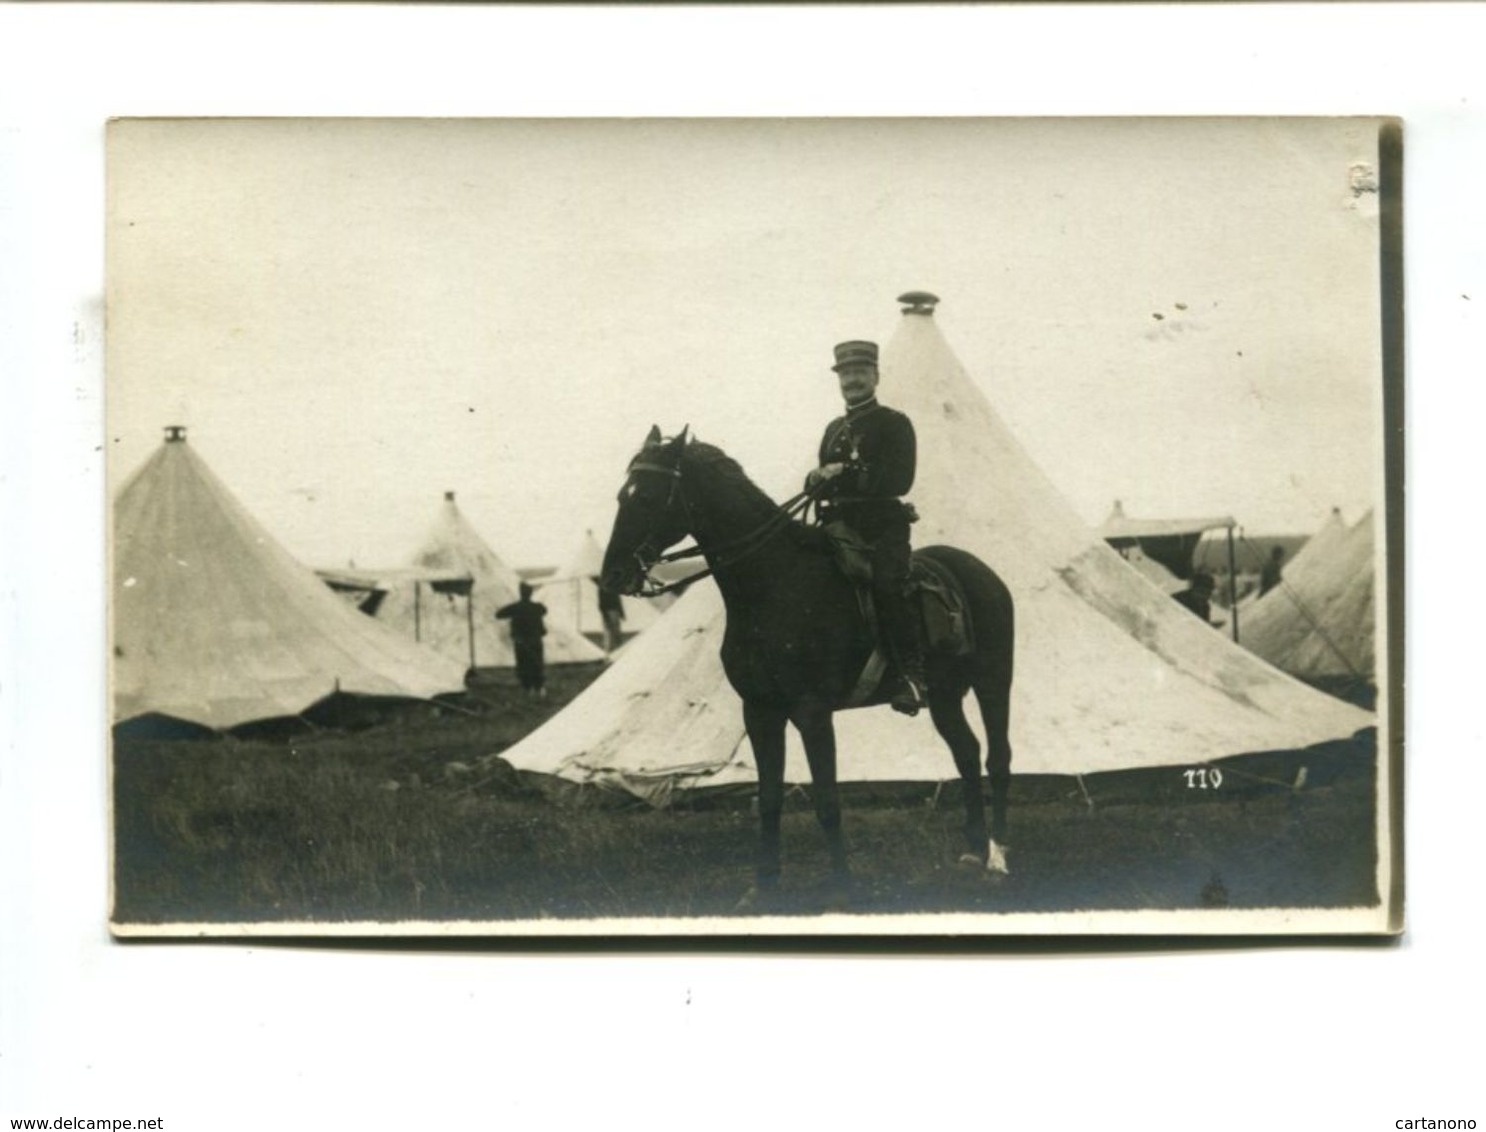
(353,317)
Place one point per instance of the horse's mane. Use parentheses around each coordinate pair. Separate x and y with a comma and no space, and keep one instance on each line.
(719,464)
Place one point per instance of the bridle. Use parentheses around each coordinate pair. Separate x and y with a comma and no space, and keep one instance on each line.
(728,554)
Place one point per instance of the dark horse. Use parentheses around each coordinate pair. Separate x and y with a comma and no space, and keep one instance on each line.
(796,641)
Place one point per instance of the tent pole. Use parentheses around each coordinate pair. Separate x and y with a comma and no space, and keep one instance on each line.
(469,616)
(417,612)
(1232,586)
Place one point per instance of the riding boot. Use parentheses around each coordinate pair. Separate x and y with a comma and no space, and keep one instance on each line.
(912,690)
(900,631)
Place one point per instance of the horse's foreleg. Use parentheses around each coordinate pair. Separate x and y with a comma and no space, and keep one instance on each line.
(946,708)
(813,721)
(766,734)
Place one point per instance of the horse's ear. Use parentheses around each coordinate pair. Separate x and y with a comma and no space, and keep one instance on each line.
(654,435)
(677,443)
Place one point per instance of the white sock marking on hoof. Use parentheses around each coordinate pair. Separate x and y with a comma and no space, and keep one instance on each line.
(996,859)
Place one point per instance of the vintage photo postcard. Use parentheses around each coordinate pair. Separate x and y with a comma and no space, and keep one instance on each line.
(755,527)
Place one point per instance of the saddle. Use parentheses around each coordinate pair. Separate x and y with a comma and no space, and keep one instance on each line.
(943,617)
(942,610)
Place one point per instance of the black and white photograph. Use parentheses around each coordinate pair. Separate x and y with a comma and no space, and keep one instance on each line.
(750,526)
(374,752)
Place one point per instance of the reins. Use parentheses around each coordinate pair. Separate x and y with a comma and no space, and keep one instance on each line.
(729,553)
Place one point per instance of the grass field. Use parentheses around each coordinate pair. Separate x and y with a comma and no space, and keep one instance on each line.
(416,818)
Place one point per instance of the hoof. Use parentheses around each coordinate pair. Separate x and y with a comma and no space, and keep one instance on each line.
(838,896)
(996,860)
(971,860)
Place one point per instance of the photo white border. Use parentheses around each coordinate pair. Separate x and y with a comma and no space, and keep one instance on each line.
(236,1035)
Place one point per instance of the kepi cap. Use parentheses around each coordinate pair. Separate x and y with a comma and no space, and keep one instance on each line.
(855,354)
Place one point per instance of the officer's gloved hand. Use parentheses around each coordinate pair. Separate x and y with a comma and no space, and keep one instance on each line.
(823,474)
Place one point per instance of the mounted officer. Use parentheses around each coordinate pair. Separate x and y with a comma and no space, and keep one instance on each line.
(867,463)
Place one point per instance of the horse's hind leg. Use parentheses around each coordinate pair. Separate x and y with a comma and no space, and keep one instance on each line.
(994,696)
(813,721)
(766,734)
(946,708)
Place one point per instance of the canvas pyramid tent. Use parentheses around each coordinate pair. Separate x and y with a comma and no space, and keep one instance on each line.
(1254,553)
(215,623)
(1320,620)
(460,622)
(572,598)
(1110,672)
(1315,557)
(1152,571)
(1144,565)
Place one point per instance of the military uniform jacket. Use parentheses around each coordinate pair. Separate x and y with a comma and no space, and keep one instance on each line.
(880,451)
(526,618)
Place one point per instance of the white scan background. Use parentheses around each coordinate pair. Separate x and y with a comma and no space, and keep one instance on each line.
(247,1036)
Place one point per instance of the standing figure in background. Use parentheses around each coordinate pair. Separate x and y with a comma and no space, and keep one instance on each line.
(1198,596)
(528,627)
(611,609)
(1270,576)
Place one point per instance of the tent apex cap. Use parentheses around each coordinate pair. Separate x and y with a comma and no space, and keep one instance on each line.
(918,302)
(175,433)
(449,496)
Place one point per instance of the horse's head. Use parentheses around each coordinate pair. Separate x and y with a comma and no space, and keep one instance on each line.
(652,515)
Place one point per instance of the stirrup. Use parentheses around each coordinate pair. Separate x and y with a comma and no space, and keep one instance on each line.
(908,698)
